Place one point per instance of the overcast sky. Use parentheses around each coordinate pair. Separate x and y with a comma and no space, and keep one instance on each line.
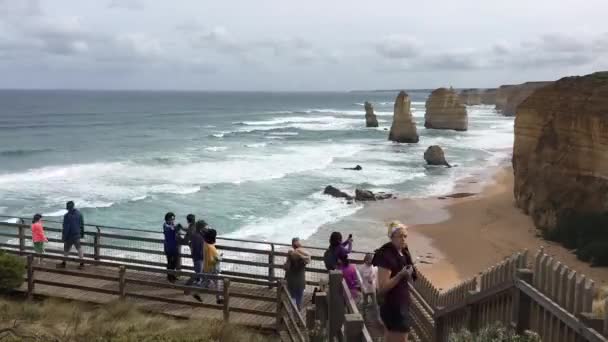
(297,45)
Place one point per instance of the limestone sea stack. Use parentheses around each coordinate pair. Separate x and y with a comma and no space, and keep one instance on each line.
(370,118)
(434,156)
(403,129)
(445,111)
(470,97)
(560,159)
(502,94)
(488,97)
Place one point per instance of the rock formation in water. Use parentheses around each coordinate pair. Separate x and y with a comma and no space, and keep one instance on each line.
(370,117)
(508,97)
(434,156)
(470,97)
(560,161)
(403,129)
(334,192)
(356,168)
(367,195)
(444,111)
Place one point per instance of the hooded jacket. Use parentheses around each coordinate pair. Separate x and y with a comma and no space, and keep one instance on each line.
(73,226)
(388,257)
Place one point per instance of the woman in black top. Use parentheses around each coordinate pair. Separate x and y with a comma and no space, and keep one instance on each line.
(395,271)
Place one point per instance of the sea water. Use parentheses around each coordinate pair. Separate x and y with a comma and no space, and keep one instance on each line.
(253,165)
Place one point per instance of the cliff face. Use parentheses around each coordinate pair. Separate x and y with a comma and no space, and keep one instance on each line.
(403,129)
(370,118)
(488,97)
(560,157)
(508,97)
(470,97)
(445,111)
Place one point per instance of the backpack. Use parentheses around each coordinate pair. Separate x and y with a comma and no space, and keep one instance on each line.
(330,259)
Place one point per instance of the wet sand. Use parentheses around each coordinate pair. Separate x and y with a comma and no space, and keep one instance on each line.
(456,238)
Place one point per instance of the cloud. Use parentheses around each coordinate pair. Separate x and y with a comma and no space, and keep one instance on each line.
(546,51)
(20,8)
(398,47)
(132,5)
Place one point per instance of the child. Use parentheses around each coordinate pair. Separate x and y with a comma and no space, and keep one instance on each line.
(38,236)
(351,276)
(211,263)
(369,274)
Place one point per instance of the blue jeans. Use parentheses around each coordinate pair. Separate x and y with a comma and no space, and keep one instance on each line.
(198,268)
(297,295)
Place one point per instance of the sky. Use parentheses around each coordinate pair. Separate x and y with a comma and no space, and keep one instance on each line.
(311,45)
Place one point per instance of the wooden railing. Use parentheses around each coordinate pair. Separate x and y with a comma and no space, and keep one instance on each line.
(289,318)
(242,258)
(122,277)
(543,296)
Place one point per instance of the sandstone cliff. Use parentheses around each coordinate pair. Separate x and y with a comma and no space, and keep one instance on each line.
(403,129)
(509,97)
(444,111)
(560,161)
(370,117)
(488,97)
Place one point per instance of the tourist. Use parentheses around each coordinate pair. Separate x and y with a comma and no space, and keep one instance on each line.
(38,237)
(369,274)
(295,271)
(395,270)
(351,277)
(211,264)
(191,221)
(336,250)
(196,250)
(171,245)
(73,231)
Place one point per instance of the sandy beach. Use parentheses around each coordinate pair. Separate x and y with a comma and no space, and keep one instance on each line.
(456,238)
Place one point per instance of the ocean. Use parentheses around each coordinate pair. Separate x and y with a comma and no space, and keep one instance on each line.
(253,165)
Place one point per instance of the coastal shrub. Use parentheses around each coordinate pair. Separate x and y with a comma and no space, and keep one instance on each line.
(493,333)
(587,233)
(12,271)
(56,320)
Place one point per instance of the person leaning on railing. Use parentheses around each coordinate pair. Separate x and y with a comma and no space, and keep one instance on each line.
(395,270)
(171,244)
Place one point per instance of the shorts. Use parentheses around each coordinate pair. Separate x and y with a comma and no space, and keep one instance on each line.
(395,319)
(67,245)
(39,247)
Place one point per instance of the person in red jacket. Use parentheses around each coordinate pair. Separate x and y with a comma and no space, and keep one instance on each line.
(38,236)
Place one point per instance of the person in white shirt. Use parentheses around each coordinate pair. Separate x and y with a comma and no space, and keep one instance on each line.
(369,274)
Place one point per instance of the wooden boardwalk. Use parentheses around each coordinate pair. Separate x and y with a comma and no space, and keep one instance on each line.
(142,296)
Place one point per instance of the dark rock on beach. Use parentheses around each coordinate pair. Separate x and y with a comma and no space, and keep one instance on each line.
(334,192)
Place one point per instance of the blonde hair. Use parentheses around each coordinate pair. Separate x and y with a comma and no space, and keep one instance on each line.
(395,226)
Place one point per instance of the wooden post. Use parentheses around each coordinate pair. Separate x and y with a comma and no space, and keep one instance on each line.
(335,305)
(96,244)
(30,276)
(310,316)
(606,317)
(226,300)
(353,328)
(22,237)
(271,264)
(321,305)
(279,305)
(522,304)
(472,313)
(122,281)
(439,333)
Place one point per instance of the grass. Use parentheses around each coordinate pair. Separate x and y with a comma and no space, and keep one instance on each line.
(54,320)
(494,333)
(599,309)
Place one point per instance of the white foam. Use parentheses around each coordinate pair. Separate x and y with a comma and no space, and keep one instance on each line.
(301,220)
(216,148)
(319,123)
(284,133)
(103,184)
(257,145)
(57,213)
(218,135)
(138,198)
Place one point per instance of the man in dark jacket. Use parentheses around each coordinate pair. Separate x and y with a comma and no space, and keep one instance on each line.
(73,231)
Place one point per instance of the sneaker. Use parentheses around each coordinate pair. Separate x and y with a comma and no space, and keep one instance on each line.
(81,266)
(61,265)
(197,297)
